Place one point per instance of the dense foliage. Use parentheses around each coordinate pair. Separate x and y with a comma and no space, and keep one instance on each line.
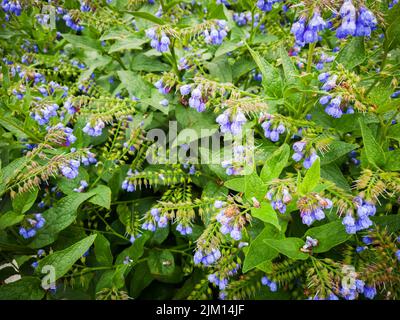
(231,149)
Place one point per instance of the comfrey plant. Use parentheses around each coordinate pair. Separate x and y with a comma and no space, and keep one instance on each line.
(200,149)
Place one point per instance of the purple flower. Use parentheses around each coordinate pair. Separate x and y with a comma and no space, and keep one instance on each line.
(70,170)
(185,89)
(94,129)
(369,292)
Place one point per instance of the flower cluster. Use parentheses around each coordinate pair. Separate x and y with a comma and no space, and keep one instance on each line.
(162,88)
(217,34)
(305,33)
(43,114)
(222,280)
(13,7)
(184,228)
(245,18)
(279,198)
(231,123)
(32,225)
(266,5)
(183,64)
(324,58)
(273,286)
(334,104)
(88,159)
(196,100)
(354,288)
(311,208)
(160,42)
(69,136)
(273,130)
(85,7)
(94,128)
(71,109)
(231,220)
(241,158)
(69,22)
(301,152)
(127,185)
(208,258)
(153,219)
(70,169)
(393,3)
(310,243)
(353,23)
(362,221)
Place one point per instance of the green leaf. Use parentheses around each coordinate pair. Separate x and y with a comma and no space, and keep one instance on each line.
(23,201)
(82,42)
(290,247)
(102,196)
(9,219)
(311,179)
(196,125)
(13,125)
(328,235)
(220,69)
(130,43)
(146,16)
(141,279)
(393,30)
(392,163)
(134,83)
(336,150)
(254,186)
(271,79)
(353,54)
(115,34)
(63,260)
(58,218)
(275,163)
(394,132)
(333,173)
(102,250)
(258,252)
(10,171)
(161,263)
(27,288)
(227,46)
(236,184)
(390,222)
(373,150)
(290,72)
(267,214)
(141,62)
(154,101)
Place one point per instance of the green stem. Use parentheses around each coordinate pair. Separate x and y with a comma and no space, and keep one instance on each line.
(173,60)
(383,63)
(308,70)
(252,33)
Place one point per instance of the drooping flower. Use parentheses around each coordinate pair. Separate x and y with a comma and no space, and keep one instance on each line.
(160,42)
(305,33)
(94,128)
(217,34)
(231,123)
(70,169)
(273,286)
(43,114)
